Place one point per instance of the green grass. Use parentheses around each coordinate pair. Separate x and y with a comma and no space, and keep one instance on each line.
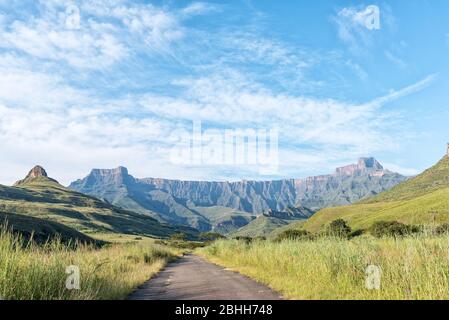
(421,200)
(412,268)
(260,227)
(431,180)
(297,225)
(38,272)
(40,231)
(224,220)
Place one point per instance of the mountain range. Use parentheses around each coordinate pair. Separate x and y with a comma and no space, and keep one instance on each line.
(227,206)
(423,199)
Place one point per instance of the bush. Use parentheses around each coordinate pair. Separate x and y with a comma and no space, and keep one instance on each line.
(210,236)
(294,235)
(392,229)
(339,228)
(442,229)
(356,233)
(178,236)
(245,239)
(181,244)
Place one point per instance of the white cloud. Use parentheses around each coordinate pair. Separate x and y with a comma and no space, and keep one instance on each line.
(67,120)
(198,8)
(104,36)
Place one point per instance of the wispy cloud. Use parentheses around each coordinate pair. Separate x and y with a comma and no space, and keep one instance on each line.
(112,91)
(357,26)
(394,95)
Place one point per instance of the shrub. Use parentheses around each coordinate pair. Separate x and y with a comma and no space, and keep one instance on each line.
(338,228)
(392,229)
(210,236)
(178,236)
(294,235)
(245,239)
(442,229)
(356,233)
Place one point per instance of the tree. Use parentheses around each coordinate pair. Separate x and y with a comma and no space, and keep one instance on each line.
(294,235)
(339,228)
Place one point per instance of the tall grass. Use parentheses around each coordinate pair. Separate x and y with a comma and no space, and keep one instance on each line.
(412,268)
(29,272)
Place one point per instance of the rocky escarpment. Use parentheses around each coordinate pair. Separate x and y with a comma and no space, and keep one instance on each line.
(346,185)
(174,201)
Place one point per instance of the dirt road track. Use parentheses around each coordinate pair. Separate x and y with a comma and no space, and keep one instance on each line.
(193,278)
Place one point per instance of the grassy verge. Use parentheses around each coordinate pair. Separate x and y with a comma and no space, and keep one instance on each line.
(412,268)
(30,272)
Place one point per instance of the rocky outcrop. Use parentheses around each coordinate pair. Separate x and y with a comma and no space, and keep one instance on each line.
(35,173)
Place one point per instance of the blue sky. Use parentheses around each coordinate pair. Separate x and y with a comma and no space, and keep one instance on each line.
(87,84)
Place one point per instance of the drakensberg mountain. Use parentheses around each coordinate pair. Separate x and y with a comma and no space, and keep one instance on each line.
(41,203)
(184,202)
(420,200)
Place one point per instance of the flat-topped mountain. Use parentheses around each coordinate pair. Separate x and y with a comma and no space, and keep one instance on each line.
(177,201)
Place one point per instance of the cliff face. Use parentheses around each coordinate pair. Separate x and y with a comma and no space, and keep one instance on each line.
(249,196)
(346,185)
(174,201)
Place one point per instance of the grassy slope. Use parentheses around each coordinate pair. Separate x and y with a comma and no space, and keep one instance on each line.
(223,219)
(421,200)
(41,231)
(297,225)
(411,268)
(46,199)
(260,227)
(39,273)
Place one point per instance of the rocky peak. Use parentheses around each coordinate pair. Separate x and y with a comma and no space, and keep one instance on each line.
(369,163)
(36,172)
(363,166)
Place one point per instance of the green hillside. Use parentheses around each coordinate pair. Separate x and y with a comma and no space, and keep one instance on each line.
(260,227)
(421,200)
(41,197)
(433,179)
(41,231)
(224,220)
(297,225)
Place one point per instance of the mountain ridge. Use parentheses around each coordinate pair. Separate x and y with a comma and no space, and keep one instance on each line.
(173,201)
(419,200)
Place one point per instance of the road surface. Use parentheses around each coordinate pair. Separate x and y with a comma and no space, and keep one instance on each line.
(193,278)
